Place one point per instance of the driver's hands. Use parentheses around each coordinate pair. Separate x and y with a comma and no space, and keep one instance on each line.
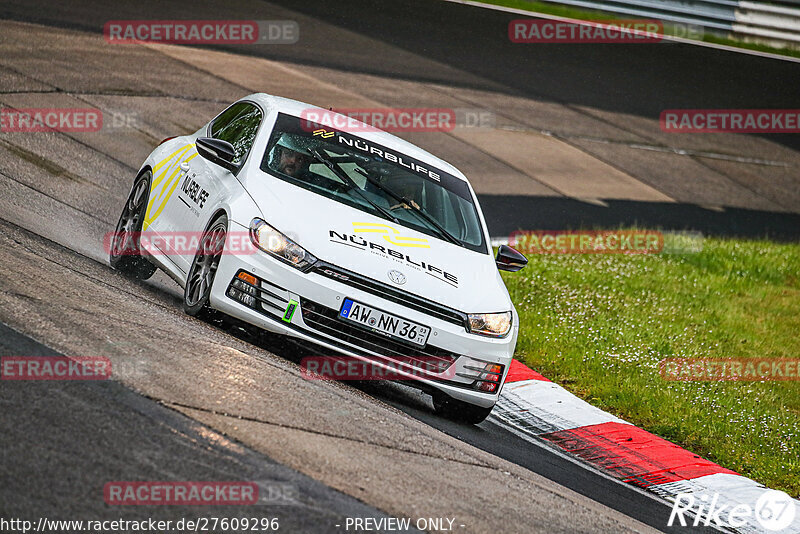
(405,206)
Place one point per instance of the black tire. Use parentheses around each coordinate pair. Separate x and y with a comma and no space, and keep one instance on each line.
(125,254)
(204,269)
(457,410)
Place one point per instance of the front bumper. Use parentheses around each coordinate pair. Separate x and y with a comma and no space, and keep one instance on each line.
(451,361)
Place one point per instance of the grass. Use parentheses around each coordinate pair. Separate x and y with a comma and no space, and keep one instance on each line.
(585,14)
(598,324)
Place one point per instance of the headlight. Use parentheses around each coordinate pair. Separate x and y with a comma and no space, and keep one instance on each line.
(268,239)
(490,324)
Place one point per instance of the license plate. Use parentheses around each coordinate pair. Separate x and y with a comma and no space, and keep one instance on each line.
(385,323)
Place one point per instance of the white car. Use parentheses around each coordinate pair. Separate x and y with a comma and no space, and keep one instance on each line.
(359,242)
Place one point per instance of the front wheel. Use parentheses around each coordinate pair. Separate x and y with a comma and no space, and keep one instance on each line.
(204,268)
(125,253)
(457,410)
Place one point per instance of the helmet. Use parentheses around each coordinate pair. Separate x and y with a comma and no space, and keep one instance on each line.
(297,143)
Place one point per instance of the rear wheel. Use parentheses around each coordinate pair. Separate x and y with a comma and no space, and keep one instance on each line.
(457,410)
(204,268)
(125,253)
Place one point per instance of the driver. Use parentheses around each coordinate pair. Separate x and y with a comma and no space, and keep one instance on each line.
(292,157)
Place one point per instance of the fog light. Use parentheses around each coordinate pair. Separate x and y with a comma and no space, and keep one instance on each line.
(244,298)
(240,284)
(247,277)
(242,290)
(489,387)
(494,368)
(489,379)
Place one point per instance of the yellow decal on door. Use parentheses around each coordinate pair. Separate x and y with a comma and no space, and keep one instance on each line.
(165,180)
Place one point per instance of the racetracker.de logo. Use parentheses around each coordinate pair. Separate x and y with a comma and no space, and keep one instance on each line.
(729,369)
(180,493)
(588,241)
(344,368)
(202,31)
(237,243)
(377,119)
(51,120)
(730,120)
(606,31)
(55,368)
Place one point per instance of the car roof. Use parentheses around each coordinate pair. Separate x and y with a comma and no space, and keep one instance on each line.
(296,108)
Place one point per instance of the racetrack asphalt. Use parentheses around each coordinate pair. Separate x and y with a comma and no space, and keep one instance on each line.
(63,441)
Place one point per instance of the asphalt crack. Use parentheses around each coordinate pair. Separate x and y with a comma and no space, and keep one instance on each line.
(315,432)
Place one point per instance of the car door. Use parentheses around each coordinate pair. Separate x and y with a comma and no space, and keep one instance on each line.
(168,172)
(205,185)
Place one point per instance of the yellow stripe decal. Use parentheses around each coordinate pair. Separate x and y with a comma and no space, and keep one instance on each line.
(377,228)
(160,198)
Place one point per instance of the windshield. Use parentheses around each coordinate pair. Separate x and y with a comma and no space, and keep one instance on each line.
(374,179)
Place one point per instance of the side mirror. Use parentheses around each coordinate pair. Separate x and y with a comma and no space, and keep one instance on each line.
(217,151)
(509,259)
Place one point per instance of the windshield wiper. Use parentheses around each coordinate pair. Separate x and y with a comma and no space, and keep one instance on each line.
(400,198)
(351,185)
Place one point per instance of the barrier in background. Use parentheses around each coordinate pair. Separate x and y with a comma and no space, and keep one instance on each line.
(777,24)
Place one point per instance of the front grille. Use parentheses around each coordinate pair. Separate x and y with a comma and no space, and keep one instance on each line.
(389,293)
(325,320)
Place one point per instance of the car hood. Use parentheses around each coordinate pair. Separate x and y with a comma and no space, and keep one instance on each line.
(335,233)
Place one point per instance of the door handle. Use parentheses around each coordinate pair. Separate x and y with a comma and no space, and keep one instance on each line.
(184,166)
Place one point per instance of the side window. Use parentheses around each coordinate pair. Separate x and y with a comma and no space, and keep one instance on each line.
(238,125)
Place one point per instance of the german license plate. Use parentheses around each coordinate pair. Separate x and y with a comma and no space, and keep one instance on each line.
(386,323)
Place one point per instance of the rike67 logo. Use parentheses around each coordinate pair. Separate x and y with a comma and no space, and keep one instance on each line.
(773,511)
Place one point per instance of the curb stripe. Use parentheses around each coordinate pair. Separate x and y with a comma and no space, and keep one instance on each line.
(633,455)
(538,407)
(518,372)
(542,410)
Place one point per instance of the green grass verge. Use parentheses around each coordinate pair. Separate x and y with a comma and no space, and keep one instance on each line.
(599,324)
(585,14)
